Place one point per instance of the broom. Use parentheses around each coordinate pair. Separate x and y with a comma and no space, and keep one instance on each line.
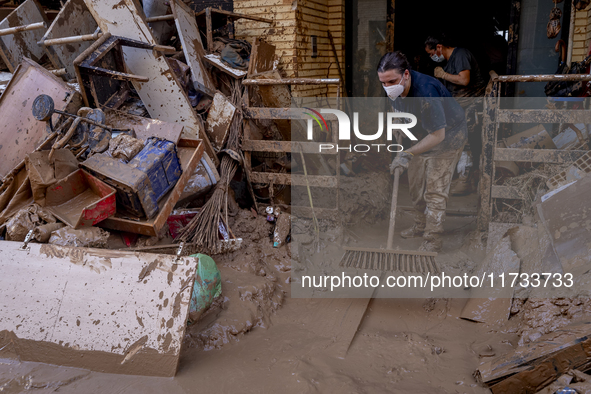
(390,259)
(202,230)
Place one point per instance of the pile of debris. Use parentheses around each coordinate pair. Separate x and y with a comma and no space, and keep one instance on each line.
(121,130)
(547,241)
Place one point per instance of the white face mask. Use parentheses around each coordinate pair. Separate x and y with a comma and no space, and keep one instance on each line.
(395,91)
(437,58)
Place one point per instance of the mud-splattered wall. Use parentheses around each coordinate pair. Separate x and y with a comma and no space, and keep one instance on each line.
(295,22)
(582,36)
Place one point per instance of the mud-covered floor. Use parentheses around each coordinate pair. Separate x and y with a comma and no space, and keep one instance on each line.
(259,339)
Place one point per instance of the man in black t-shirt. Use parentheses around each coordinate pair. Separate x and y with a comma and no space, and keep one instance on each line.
(441,132)
(461,74)
(462,77)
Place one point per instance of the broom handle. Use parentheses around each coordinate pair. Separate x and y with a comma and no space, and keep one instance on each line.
(393,209)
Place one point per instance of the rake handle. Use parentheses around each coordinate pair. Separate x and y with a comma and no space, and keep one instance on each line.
(393,209)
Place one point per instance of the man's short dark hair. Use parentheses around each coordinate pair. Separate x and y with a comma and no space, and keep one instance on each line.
(393,61)
(432,41)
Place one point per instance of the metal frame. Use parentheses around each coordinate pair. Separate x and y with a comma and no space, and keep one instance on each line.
(493,115)
(249,146)
(211,15)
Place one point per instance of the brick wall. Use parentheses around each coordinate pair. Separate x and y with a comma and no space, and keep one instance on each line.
(295,22)
(282,33)
(582,36)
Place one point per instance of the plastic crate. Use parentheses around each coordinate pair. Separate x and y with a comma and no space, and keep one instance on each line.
(160,161)
(134,191)
(81,200)
(142,182)
(580,168)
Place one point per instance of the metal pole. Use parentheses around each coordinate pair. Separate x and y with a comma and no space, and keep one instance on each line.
(542,78)
(18,29)
(160,18)
(59,72)
(292,81)
(571,34)
(71,40)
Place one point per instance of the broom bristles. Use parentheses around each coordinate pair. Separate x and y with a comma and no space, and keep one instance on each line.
(391,260)
(202,230)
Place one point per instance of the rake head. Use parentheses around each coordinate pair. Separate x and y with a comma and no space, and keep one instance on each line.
(390,260)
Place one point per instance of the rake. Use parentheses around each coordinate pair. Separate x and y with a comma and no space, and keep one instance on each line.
(390,259)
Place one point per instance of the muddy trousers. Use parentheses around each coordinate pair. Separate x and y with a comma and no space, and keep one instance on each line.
(429,180)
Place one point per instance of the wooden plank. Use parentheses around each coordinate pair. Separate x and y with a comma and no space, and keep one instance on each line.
(542,78)
(190,152)
(280,113)
(538,155)
(214,60)
(208,29)
(74,19)
(538,363)
(145,127)
(20,132)
(219,120)
(190,37)
(286,146)
(248,159)
(245,4)
(505,192)
(543,116)
(15,47)
(292,81)
(487,164)
(563,216)
(291,179)
(262,57)
(233,15)
(104,310)
(114,74)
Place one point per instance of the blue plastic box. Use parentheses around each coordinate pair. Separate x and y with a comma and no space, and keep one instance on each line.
(142,182)
(159,160)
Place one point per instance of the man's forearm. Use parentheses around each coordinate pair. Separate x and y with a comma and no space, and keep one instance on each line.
(462,78)
(427,143)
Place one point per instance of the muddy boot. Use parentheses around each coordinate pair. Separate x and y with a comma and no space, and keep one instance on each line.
(413,232)
(431,245)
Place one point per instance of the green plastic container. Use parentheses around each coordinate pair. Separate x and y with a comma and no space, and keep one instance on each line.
(208,285)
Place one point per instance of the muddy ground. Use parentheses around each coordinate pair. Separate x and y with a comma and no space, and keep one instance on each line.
(256,338)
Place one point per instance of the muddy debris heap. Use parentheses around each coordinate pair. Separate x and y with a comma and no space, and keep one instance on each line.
(132,144)
(123,170)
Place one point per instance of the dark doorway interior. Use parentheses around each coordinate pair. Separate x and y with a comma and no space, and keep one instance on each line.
(480,26)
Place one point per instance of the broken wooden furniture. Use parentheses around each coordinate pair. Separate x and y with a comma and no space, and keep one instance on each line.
(539,363)
(262,57)
(19,33)
(189,153)
(100,71)
(104,310)
(162,94)
(250,145)
(494,115)
(20,132)
(144,180)
(70,34)
(219,121)
(184,19)
(214,18)
(560,213)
